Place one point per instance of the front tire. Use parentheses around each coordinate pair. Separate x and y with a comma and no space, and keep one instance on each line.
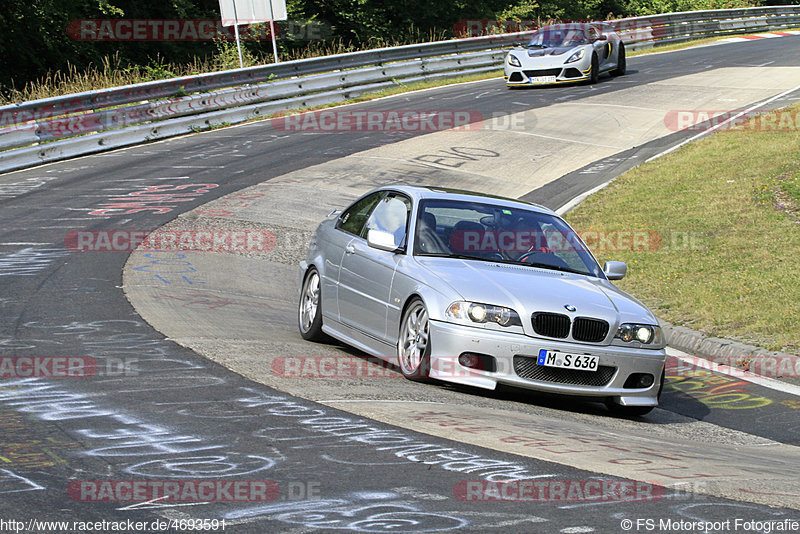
(621,61)
(309,312)
(414,342)
(594,75)
(635,411)
(627,411)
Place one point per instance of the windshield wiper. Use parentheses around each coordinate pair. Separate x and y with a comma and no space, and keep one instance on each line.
(450,255)
(553,267)
(537,46)
(508,262)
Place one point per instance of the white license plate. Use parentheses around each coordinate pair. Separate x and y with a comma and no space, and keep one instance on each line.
(582,362)
(543,79)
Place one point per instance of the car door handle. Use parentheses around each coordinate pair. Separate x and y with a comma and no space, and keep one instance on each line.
(349,249)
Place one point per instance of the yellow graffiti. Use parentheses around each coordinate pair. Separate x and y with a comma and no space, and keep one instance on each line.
(735,401)
(717,391)
(27,451)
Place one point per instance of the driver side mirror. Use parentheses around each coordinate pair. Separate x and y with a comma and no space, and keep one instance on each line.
(615,270)
(382,240)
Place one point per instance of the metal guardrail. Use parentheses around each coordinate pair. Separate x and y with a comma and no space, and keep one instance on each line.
(66,126)
(658,30)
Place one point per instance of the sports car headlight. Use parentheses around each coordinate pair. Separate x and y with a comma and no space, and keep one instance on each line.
(513,61)
(643,333)
(482,313)
(576,56)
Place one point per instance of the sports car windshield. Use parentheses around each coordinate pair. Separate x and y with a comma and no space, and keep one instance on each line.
(561,37)
(487,232)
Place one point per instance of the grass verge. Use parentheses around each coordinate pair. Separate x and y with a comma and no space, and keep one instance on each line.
(727,210)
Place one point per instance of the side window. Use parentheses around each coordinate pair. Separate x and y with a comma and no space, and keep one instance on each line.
(391,215)
(354,217)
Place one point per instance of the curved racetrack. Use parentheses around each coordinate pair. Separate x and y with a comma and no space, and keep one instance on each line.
(189,383)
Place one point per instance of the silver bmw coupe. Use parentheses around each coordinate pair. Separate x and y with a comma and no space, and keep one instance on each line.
(479,290)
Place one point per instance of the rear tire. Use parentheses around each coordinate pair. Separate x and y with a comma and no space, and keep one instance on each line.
(621,62)
(309,310)
(414,342)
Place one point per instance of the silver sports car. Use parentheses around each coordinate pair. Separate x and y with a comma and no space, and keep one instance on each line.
(479,290)
(565,53)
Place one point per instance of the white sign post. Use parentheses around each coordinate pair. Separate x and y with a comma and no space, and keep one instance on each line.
(236,32)
(253,12)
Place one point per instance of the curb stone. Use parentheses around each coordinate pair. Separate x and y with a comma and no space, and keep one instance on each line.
(703,346)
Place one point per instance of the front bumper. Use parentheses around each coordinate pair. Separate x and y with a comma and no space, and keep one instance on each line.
(519,76)
(449,341)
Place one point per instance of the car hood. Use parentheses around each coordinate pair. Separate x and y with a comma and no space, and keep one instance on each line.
(540,52)
(529,289)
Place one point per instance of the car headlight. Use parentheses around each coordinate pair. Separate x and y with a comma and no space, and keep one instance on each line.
(643,333)
(513,61)
(482,313)
(576,56)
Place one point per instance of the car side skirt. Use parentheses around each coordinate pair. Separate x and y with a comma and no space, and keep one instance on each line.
(355,338)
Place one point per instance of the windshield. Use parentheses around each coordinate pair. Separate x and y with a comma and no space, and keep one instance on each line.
(487,232)
(555,37)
